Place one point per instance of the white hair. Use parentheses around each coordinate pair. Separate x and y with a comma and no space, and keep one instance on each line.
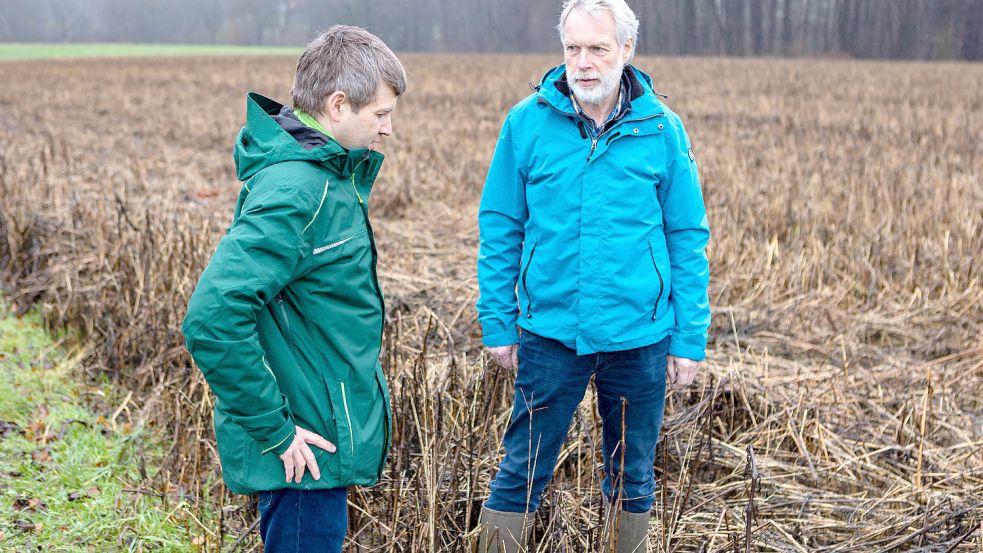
(625,22)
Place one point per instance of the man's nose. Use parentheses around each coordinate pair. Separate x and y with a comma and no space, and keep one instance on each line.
(583,60)
(386,129)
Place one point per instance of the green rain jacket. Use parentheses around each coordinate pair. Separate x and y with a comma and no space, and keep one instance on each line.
(286,321)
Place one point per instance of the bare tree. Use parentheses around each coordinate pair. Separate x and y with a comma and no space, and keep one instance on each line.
(913,29)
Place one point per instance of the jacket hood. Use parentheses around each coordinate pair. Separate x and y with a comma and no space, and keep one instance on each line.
(554,90)
(273,134)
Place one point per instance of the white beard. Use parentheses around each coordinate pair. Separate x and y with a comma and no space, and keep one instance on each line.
(607,84)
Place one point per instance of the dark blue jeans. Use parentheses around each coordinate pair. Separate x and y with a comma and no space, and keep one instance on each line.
(291,521)
(551,381)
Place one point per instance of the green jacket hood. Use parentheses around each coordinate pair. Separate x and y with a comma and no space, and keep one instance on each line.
(273,134)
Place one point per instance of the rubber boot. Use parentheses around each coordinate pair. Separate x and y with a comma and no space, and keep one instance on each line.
(631,530)
(503,532)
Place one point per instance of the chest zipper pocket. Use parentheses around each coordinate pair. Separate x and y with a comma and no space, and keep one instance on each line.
(662,284)
(525,274)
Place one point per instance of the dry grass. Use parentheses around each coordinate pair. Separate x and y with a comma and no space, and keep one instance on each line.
(841,406)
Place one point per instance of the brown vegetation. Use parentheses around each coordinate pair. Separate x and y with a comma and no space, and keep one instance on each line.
(846,357)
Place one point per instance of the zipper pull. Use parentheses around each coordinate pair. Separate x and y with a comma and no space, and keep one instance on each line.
(593,146)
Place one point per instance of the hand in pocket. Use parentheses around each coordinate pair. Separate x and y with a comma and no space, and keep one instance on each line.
(298,457)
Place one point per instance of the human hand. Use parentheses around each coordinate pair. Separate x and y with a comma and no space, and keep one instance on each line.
(506,356)
(299,457)
(681,371)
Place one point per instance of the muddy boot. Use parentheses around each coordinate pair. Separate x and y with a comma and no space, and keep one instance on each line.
(503,532)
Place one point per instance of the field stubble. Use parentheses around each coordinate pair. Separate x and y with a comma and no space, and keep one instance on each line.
(839,410)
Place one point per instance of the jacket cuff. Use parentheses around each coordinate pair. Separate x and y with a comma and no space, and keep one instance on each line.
(507,337)
(688,346)
(283,437)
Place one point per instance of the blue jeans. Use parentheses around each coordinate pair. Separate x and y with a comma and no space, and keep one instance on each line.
(291,521)
(551,381)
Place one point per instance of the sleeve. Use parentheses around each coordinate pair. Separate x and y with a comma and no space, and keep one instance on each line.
(687,234)
(501,221)
(253,262)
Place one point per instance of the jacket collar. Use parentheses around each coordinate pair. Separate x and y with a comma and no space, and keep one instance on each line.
(554,90)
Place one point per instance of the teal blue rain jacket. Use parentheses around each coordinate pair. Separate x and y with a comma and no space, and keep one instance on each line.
(597,243)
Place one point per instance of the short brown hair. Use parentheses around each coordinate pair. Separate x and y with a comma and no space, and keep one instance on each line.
(349,59)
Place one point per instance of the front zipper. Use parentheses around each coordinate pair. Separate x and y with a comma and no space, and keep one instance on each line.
(576,116)
(593,146)
(368,229)
(525,287)
(662,284)
(351,434)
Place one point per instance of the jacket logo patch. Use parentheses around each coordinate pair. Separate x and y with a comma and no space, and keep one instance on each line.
(333,245)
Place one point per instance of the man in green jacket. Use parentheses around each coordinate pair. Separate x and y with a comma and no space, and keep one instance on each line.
(286,321)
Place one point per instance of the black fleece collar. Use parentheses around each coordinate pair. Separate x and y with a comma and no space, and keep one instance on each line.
(307,137)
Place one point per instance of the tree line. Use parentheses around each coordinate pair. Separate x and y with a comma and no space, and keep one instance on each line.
(898,29)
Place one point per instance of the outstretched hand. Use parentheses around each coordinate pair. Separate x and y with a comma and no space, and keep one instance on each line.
(299,457)
(681,372)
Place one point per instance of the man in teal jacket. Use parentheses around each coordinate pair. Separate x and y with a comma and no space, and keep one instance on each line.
(286,321)
(593,242)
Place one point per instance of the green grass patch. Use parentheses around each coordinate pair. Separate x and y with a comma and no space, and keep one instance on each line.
(71,477)
(25,51)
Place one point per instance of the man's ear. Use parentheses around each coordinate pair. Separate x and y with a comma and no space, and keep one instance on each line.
(335,105)
(629,50)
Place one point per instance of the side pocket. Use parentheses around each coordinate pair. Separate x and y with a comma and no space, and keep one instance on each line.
(387,423)
(662,299)
(524,276)
(344,434)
